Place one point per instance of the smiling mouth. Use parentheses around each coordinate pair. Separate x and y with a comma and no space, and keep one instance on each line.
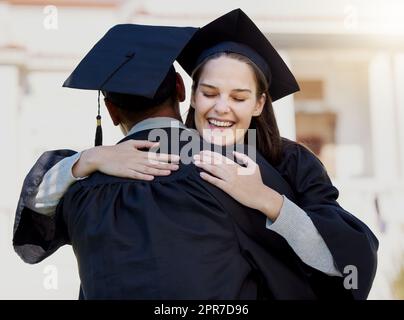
(220,124)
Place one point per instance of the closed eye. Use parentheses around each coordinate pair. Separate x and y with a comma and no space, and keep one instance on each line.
(209,95)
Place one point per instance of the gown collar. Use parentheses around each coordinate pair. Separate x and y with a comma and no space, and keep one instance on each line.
(156,122)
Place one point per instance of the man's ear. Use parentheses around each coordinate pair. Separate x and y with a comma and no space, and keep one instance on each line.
(180,87)
(113,112)
(260,105)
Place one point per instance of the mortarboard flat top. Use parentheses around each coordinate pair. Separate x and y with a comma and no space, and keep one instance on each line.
(235,28)
(131,59)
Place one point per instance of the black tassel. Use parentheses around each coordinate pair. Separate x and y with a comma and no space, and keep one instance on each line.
(98,131)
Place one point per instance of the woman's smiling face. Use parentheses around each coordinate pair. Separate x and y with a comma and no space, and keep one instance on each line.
(225,100)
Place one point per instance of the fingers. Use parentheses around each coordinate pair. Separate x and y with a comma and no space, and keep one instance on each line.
(251,167)
(161,157)
(213,158)
(148,170)
(215,163)
(138,176)
(152,156)
(140,144)
(143,173)
(211,168)
(244,159)
(217,158)
(215,181)
(161,165)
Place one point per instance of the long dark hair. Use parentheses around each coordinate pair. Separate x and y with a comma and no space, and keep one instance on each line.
(269,142)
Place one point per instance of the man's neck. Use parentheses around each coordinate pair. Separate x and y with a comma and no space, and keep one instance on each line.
(163,112)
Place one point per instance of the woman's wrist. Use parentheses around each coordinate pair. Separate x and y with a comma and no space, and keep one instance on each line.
(88,162)
(271,203)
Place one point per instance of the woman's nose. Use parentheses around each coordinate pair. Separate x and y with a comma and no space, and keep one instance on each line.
(222,105)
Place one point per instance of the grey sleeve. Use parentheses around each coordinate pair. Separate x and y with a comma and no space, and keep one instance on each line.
(295,226)
(54,185)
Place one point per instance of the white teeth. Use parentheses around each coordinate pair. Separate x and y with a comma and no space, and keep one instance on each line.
(220,123)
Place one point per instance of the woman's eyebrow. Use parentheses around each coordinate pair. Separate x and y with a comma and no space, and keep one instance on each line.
(242,90)
(207,85)
(213,87)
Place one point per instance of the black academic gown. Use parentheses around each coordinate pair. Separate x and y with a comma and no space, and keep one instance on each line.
(179,237)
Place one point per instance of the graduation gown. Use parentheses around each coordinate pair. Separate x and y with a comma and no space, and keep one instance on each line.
(179,237)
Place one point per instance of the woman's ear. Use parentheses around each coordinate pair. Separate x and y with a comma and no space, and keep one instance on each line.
(192,101)
(259,105)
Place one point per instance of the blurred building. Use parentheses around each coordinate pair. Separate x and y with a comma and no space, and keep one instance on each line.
(348,57)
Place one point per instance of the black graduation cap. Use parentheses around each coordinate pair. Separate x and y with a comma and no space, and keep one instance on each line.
(130,59)
(236,32)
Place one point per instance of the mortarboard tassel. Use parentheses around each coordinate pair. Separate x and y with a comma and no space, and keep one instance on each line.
(98,131)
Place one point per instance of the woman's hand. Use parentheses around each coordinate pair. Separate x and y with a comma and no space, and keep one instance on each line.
(126,161)
(244,184)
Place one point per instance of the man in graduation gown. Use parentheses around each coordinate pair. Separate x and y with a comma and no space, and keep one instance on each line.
(178,237)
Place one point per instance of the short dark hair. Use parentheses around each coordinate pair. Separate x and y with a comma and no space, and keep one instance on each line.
(133,104)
